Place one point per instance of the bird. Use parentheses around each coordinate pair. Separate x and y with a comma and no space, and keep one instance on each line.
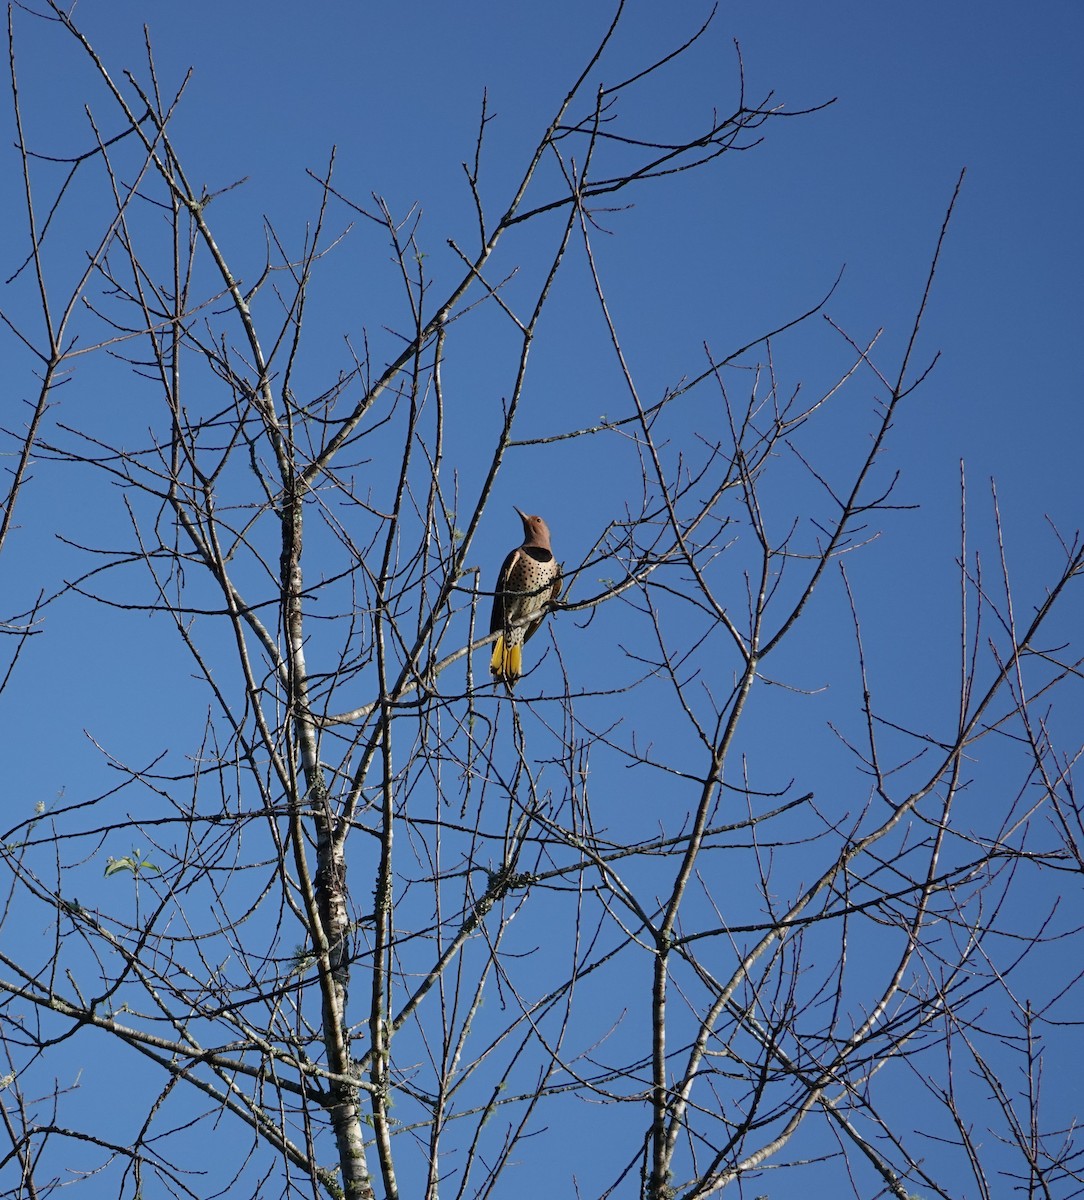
(528,583)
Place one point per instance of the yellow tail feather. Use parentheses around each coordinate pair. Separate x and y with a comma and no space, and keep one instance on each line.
(507,661)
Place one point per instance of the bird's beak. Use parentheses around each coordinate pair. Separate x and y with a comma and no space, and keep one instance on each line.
(522,514)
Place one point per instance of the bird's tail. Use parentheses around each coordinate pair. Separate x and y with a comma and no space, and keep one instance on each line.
(507,661)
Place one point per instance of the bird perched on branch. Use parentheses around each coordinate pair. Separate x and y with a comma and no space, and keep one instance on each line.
(528,583)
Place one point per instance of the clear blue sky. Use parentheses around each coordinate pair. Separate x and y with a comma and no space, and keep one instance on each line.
(921,90)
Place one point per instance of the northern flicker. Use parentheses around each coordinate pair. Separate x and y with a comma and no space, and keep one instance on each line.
(529,580)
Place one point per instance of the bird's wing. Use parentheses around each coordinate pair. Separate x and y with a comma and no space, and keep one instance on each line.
(498,617)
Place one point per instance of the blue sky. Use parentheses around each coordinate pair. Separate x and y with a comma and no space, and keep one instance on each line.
(919,92)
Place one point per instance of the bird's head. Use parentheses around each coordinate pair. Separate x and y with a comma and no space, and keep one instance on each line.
(535,531)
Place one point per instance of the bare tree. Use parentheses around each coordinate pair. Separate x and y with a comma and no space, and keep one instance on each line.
(378,925)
